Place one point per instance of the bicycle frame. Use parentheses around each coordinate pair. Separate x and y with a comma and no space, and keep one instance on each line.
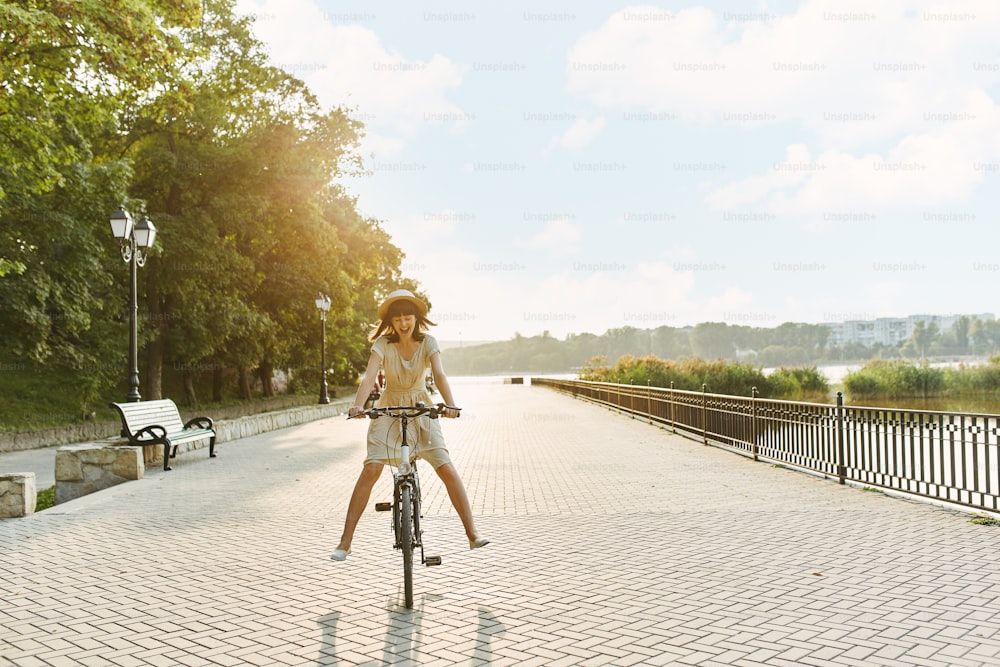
(406,476)
(406,494)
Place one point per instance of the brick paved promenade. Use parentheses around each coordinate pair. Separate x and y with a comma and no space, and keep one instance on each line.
(614,543)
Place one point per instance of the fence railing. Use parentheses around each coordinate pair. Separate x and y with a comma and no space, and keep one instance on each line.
(947,456)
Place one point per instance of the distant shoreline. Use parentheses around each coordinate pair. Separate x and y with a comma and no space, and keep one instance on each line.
(834,373)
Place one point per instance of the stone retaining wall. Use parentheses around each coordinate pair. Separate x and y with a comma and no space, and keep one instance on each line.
(16,441)
(89,431)
(227,430)
(17,494)
(244,427)
(86,467)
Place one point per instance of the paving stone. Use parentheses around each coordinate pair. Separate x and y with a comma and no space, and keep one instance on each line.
(614,543)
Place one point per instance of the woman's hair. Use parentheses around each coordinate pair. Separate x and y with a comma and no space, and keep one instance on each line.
(398,309)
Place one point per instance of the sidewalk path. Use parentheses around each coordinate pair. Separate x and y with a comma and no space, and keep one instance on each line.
(614,543)
(40,461)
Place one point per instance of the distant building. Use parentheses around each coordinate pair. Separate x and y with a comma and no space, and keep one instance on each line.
(889,330)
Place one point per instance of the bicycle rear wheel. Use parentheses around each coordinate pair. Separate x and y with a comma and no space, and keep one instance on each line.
(406,541)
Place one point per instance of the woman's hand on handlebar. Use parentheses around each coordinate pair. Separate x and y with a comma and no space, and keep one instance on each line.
(407,411)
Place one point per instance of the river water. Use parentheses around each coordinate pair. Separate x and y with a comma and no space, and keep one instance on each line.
(835,375)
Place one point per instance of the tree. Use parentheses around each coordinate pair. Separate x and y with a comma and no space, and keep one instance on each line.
(985,336)
(960,329)
(171,109)
(64,69)
(923,335)
(712,340)
(67,69)
(234,157)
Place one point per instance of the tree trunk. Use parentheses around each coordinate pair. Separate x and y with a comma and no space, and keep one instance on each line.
(266,372)
(217,384)
(189,391)
(245,383)
(157,305)
(154,369)
(154,349)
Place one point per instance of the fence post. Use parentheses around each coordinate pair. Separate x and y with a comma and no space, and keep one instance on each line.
(670,408)
(704,414)
(631,397)
(753,422)
(841,466)
(649,400)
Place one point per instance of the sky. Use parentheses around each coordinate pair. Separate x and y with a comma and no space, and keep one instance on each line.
(573,167)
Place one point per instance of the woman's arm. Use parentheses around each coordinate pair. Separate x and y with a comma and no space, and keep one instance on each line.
(441,380)
(367,382)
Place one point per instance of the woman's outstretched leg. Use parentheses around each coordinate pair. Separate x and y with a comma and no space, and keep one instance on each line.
(460,500)
(356,507)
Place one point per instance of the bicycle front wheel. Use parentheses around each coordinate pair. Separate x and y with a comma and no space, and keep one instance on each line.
(406,541)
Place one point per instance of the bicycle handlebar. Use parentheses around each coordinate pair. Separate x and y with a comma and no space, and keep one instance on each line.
(407,411)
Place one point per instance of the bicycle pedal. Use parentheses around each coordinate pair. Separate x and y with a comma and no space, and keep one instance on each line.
(432,560)
(383,507)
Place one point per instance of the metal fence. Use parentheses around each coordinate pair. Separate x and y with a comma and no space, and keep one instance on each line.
(947,456)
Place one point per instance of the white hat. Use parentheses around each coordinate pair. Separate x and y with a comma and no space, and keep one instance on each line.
(401,295)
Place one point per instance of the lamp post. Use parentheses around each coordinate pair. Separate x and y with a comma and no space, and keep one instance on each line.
(323,304)
(135,241)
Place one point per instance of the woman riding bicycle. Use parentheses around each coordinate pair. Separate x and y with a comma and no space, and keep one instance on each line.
(403,349)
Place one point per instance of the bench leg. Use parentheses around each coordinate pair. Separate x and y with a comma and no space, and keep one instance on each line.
(211,448)
(166,456)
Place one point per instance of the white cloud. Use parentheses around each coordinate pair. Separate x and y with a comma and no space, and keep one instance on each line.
(559,237)
(923,170)
(584,299)
(819,60)
(892,85)
(421,235)
(771,97)
(344,64)
(576,136)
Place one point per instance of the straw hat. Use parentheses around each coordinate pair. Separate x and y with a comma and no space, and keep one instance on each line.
(401,295)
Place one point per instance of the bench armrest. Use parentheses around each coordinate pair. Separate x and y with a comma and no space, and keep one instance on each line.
(200,422)
(157,432)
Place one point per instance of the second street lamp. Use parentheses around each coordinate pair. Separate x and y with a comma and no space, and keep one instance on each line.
(135,241)
(323,304)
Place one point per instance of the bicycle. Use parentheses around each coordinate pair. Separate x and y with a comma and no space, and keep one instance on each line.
(405,503)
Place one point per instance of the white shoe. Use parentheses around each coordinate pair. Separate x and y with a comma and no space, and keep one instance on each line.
(340,554)
(478,543)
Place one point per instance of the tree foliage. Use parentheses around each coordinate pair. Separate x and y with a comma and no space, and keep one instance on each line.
(791,344)
(171,109)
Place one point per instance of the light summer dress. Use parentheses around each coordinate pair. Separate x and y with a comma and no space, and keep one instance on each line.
(404,385)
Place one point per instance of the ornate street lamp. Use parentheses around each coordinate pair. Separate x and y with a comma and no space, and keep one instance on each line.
(323,304)
(135,241)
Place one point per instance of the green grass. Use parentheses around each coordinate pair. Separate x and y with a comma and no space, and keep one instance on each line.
(36,398)
(983,520)
(46,498)
(30,400)
(890,379)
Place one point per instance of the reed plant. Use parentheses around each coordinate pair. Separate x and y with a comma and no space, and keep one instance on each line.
(904,379)
(731,378)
